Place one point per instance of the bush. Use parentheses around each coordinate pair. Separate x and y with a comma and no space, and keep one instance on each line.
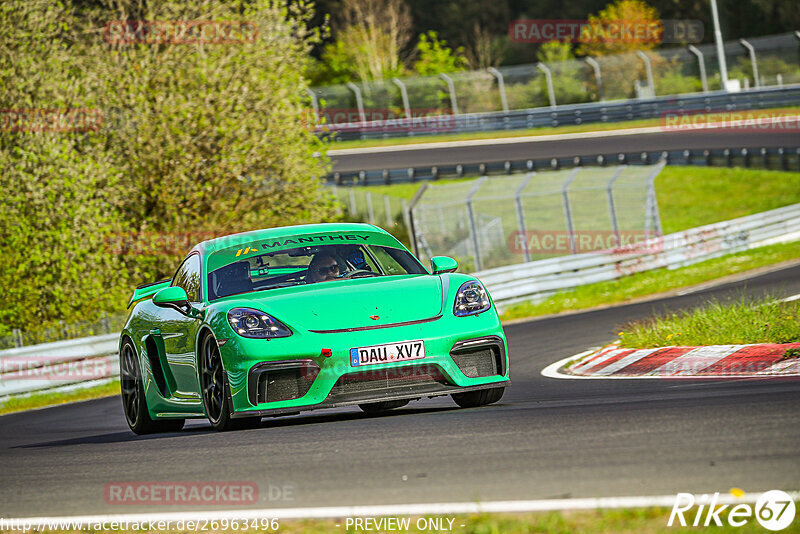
(205,139)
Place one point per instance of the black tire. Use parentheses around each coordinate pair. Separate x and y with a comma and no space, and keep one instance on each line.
(482,397)
(377,407)
(134,403)
(214,386)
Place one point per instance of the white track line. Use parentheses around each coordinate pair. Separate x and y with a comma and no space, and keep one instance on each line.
(541,138)
(790,299)
(544,505)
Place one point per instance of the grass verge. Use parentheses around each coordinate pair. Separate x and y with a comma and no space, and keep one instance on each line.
(739,322)
(503,134)
(40,400)
(654,282)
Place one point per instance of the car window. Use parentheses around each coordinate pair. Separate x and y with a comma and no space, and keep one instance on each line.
(291,267)
(188,277)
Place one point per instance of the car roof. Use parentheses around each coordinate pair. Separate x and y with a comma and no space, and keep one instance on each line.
(212,245)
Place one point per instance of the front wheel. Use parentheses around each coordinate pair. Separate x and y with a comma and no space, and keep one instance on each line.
(482,397)
(134,403)
(215,390)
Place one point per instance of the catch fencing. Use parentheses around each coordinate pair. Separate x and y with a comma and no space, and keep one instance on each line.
(490,222)
(762,72)
(538,279)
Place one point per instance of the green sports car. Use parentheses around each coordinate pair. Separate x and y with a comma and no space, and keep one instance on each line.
(277,321)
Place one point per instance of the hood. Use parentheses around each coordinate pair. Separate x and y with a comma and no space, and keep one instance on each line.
(345,304)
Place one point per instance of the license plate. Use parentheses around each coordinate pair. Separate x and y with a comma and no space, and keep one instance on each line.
(387,353)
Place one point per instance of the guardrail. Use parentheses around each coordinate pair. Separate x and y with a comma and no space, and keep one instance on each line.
(81,361)
(575,114)
(529,281)
(777,158)
(90,360)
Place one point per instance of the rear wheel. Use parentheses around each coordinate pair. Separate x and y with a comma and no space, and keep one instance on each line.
(134,403)
(376,407)
(482,397)
(215,390)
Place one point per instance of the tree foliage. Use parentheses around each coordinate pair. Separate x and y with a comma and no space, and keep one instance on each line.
(435,57)
(201,139)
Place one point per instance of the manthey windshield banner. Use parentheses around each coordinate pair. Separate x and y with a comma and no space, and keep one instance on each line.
(240,251)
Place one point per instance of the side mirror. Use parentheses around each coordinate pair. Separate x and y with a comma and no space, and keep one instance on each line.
(172,297)
(443,264)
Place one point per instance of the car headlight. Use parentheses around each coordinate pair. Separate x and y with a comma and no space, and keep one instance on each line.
(248,322)
(471,299)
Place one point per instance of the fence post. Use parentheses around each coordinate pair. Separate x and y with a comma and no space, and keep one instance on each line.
(521,215)
(567,212)
(17,333)
(649,68)
(388,206)
(106,323)
(412,234)
(611,207)
(701,63)
(370,212)
(359,102)
(597,76)
(501,87)
(404,208)
(404,96)
(549,78)
(452,89)
(472,227)
(652,201)
(353,207)
(314,103)
(752,52)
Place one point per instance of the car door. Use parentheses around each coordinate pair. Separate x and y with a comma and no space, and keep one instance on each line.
(179,331)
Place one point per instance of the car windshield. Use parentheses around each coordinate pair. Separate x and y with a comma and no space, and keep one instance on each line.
(309,265)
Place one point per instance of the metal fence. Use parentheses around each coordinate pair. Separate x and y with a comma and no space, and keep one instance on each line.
(106,324)
(536,280)
(489,222)
(402,107)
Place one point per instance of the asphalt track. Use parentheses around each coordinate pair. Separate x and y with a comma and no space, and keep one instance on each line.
(491,152)
(546,438)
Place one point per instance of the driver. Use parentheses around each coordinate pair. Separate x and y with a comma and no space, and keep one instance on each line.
(323,268)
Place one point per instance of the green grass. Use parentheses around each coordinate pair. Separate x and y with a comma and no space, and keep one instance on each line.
(741,321)
(653,282)
(40,400)
(502,134)
(694,196)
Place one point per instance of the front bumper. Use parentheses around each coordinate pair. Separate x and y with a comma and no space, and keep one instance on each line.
(289,375)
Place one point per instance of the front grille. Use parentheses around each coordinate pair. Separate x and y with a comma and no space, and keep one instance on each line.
(477,363)
(280,382)
(389,382)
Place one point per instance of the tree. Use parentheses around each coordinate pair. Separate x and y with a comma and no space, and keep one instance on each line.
(197,138)
(435,57)
(624,26)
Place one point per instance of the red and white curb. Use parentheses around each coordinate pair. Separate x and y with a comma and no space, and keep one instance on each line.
(715,361)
